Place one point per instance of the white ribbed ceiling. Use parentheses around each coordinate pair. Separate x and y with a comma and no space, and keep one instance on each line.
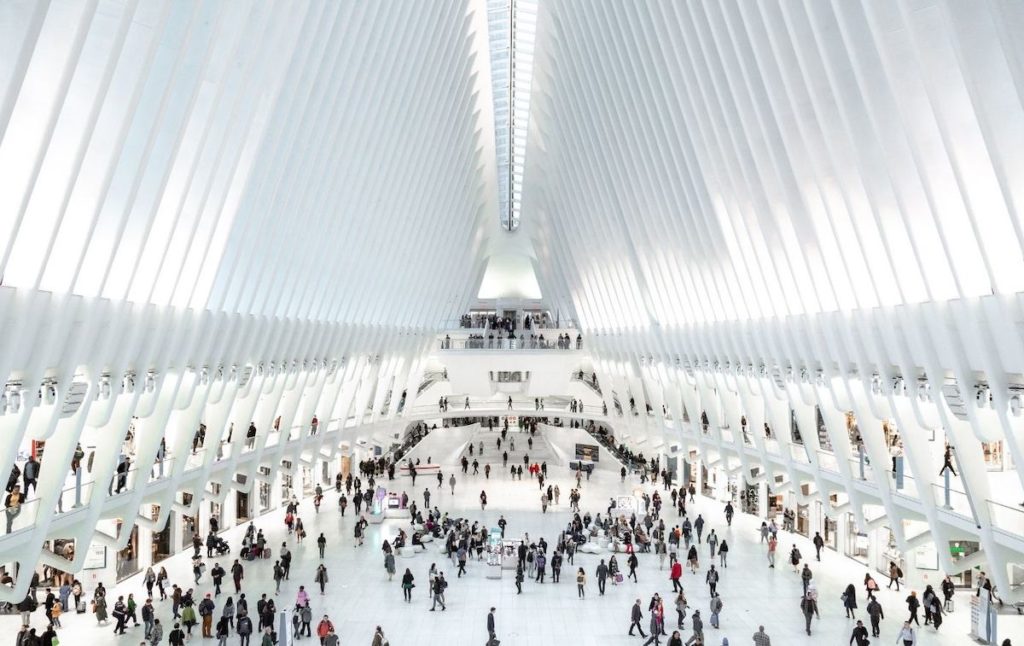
(684,163)
(315,160)
(693,162)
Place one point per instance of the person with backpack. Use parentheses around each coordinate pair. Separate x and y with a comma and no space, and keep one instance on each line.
(895,574)
(716,608)
(876,614)
(794,559)
(206,608)
(177,636)
(438,589)
(244,626)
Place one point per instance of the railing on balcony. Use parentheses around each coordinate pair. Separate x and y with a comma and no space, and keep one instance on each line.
(509,343)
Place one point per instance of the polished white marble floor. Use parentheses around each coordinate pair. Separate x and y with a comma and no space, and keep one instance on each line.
(359,596)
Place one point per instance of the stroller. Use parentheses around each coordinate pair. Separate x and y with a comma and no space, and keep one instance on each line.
(221,546)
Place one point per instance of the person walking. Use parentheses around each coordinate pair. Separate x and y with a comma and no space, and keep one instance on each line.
(655,631)
(906,636)
(321,577)
(859,634)
(773,543)
(680,609)
(895,574)
(794,558)
(407,585)
(581,582)
(157,634)
(716,609)
(206,608)
(451,483)
(819,543)
(321,544)
(850,601)
(809,607)
(712,580)
(913,604)
(723,553)
(602,577)
(492,638)
(875,614)
(439,585)
(676,573)
(805,576)
(632,562)
(635,616)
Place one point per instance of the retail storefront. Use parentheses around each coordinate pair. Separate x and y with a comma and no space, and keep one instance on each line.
(858,544)
(887,551)
(128,558)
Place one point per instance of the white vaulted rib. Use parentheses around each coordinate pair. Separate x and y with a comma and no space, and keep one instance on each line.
(758,208)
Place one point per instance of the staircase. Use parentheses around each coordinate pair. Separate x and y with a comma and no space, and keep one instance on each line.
(541,451)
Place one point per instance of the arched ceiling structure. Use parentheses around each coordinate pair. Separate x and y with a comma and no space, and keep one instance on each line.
(232,212)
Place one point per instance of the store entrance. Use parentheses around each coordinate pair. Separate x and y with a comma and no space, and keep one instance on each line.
(128,558)
(161,540)
(242,507)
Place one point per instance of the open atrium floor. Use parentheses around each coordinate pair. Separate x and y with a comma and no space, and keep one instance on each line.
(359,596)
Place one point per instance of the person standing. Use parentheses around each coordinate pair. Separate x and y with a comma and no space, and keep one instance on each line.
(321,543)
(761,638)
(635,616)
(773,543)
(581,582)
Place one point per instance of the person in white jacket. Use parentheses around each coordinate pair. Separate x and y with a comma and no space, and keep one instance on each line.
(907,636)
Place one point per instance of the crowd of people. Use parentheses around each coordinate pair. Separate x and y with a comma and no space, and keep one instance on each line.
(663,526)
(509,341)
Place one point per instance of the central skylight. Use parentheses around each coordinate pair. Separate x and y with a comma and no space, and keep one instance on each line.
(513,27)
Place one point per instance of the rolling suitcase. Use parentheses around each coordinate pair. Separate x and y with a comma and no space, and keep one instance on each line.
(266,552)
(80,609)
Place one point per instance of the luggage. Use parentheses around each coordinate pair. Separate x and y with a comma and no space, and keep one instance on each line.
(619,578)
(80,609)
(249,555)
(266,552)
